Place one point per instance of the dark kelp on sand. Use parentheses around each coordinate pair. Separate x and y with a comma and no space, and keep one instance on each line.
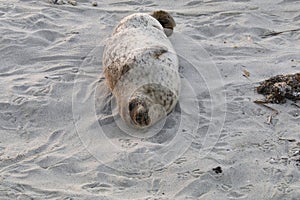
(281,87)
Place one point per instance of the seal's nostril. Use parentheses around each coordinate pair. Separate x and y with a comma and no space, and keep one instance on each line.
(139,117)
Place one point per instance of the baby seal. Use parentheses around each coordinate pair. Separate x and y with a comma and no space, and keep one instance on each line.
(141,68)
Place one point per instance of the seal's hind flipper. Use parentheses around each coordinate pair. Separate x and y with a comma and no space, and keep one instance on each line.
(166,20)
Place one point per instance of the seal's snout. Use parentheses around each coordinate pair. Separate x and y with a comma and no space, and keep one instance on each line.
(139,113)
(141,117)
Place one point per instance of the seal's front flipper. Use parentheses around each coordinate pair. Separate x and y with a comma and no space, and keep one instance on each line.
(155,51)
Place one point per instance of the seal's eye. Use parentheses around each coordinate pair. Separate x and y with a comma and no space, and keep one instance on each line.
(131,106)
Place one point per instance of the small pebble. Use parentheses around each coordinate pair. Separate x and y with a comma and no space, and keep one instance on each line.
(72,2)
(95,3)
(58,2)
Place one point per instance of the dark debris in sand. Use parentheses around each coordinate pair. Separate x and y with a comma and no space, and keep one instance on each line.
(281,87)
(217,170)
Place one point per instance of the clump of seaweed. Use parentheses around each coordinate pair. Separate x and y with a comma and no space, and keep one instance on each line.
(281,87)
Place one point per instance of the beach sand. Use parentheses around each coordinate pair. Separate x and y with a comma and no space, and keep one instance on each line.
(60,140)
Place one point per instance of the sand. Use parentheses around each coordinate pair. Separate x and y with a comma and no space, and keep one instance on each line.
(60,138)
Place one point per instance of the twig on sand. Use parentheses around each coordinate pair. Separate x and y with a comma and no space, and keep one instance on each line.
(294,104)
(287,139)
(279,32)
(275,112)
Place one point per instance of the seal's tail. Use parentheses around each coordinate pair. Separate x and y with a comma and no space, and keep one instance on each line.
(166,20)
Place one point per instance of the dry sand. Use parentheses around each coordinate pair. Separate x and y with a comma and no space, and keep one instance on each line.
(52,145)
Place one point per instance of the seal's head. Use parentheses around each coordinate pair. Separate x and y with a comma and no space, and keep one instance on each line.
(166,20)
(139,112)
(143,112)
